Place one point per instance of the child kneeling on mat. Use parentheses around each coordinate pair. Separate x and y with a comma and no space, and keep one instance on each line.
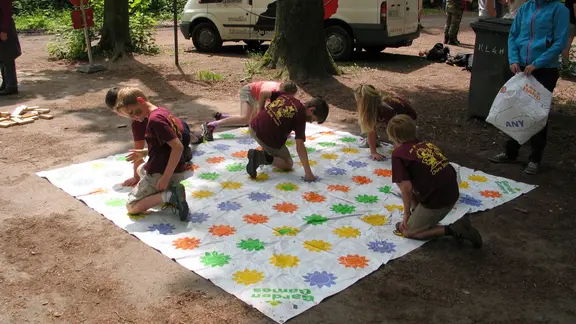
(272,126)
(159,177)
(428,183)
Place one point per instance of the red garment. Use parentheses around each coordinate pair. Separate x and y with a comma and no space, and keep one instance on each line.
(434,180)
(278,119)
(5,14)
(162,127)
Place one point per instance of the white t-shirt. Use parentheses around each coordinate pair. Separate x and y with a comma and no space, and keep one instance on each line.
(514,5)
(482,9)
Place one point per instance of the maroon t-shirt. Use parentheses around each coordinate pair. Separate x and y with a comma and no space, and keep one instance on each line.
(392,106)
(434,180)
(162,128)
(139,129)
(278,119)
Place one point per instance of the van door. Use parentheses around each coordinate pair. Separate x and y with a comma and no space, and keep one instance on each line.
(411,17)
(231,17)
(264,18)
(395,17)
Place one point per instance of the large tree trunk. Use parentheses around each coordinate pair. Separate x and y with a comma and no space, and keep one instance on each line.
(115,33)
(299,44)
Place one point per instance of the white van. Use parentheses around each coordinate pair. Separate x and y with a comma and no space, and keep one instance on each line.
(369,24)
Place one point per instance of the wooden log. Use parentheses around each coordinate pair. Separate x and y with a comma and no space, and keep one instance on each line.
(6,124)
(42,110)
(18,111)
(46,116)
(24,121)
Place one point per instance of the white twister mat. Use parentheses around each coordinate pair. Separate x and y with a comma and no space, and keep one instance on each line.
(277,243)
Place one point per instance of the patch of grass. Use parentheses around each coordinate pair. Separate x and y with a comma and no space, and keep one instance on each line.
(432,11)
(46,21)
(253,64)
(209,76)
(351,68)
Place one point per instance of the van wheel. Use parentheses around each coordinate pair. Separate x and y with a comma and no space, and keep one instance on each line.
(374,49)
(206,38)
(339,43)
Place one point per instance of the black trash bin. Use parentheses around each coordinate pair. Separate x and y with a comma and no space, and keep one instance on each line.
(490,67)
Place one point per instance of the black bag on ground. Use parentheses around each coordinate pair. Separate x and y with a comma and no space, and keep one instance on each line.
(461,60)
(438,53)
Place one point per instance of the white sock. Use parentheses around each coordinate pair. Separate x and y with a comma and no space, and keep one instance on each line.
(166,195)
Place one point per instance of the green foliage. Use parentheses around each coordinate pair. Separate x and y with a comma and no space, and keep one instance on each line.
(37,21)
(68,44)
(209,76)
(253,64)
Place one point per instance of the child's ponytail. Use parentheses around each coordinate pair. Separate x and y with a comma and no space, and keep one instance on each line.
(369,101)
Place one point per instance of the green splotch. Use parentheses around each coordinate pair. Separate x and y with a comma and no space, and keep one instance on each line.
(226,136)
(251,245)
(310,150)
(367,199)
(385,189)
(236,167)
(116,202)
(343,209)
(315,219)
(121,158)
(327,144)
(348,139)
(290,143)
(209,176)
(215,259)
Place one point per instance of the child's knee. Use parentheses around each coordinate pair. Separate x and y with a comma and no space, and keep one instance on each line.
(132,209)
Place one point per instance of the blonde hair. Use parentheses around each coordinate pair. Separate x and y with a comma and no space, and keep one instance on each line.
(369,101)
(402,129)
(128,96)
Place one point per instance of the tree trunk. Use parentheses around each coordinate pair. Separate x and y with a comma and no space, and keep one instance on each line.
(115,33)
(299,43)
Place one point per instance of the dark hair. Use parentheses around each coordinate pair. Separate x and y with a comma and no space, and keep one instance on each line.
(112,97)
(321,108)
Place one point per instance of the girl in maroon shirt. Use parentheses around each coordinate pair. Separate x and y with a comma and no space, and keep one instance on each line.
(375,111)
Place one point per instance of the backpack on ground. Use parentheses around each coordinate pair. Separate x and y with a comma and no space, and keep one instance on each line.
(439,53)
(462,60)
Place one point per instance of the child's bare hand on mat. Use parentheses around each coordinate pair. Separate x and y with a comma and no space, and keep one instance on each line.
(131,182)
(377,157)
(163,183)
(309,178)
(136,155)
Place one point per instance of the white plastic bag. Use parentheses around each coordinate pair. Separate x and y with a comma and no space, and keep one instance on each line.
(521,108)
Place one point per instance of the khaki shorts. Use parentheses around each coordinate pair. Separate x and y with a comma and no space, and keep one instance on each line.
(282,152)
(423,218)
(246,96)
(147,184)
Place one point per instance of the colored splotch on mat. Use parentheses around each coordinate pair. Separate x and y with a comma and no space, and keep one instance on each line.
(277,242)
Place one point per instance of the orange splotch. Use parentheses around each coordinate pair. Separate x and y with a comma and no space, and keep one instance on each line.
(98,191)
(361,180)
(353,261)
(310,138)
(191,167)
(286,207)
(313,197)
(339,188)
(383,172)
(186,243)
(326,133)
(490,194)
(222,230)
(259,148)
(216,159)
(240,154)
(256,219)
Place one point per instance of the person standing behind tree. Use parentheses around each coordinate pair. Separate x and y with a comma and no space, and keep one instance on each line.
(9,49)
(454,12)
(487,8)
(567,70)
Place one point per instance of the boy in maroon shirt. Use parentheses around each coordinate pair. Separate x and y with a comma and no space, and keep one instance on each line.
(428,184)
(139,132)
(273,124)
(159,177)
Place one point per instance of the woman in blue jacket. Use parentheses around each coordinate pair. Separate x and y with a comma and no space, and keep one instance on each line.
(538,35)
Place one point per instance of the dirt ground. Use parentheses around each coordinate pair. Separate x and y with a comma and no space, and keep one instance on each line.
(62,262)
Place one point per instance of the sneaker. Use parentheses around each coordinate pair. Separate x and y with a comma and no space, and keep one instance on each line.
(364,142)
(178,201)
(200,139)
(255,160)
(462,230)
(187,154)
(532,168)
(501,158)
(567,71)
(207,132)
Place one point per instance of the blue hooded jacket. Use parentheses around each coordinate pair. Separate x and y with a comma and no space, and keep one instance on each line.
(539,34)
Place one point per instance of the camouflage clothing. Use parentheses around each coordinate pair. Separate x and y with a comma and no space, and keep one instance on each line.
(455,4)
(453,19)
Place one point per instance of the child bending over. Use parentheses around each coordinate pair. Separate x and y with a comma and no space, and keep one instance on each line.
(159,177)
(273,124)
(375,111)
(428,183)
(138,134)
(252,97)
